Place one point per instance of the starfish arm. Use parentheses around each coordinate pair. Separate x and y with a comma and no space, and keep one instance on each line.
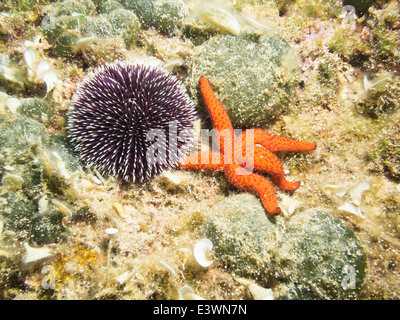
(240,178)
(259,158)
(280,181)
(219,116)
(203,161)
(265,160)
(275,143)
(217,112)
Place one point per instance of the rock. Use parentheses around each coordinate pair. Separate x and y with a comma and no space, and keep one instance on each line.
(41,168)
(65,44)
(22,134)
(47,227)
(125,24)
(242,234)
(319,257)
(254,80)
(386,155)
(72,31)
(16,211)
(311,255)
(62,147)
(164,15)
(37,109)
(96,27)
(69,7)
(109,6)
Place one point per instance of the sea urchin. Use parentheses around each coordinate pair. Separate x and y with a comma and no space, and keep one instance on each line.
(131,120)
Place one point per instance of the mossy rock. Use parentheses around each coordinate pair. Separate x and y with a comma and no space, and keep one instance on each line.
(37,109)
(164,15)
(22,134)
(20,214)
(242,234)
(47,227)
(25,144)
(65,44)
(16,211)
(319,257)
(64,23)
(64,150)
(125,24)
(254,80)
(97,26)
(109,6)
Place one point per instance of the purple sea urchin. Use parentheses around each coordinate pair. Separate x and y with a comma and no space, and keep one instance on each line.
(131,120)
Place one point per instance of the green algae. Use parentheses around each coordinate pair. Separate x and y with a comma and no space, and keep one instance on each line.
(125,24)
(109,6)
(385,157)
(70,7)
(26,146)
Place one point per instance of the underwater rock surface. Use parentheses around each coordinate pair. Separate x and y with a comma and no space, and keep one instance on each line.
(242,235)
(76,24)
(320,258)
(164,15)
(32,176)
(254,80)
(313,255)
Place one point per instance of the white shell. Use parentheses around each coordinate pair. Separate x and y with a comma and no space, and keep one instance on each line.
(42,204)
(62,207)
(111,231)
(353,209)
(187,293)
(43,68)
(15,180)
(337,189)
(202,252)
(35,254)
(357,191)
(219,18)
(51,79)
(11,74)
(123,278)
(12,104)
(379,82)
(258,292)
(30,57)
(166,265)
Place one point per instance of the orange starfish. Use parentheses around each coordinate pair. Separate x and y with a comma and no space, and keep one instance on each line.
(237,156)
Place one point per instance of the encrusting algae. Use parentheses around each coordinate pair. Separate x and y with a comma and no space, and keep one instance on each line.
(317,72)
